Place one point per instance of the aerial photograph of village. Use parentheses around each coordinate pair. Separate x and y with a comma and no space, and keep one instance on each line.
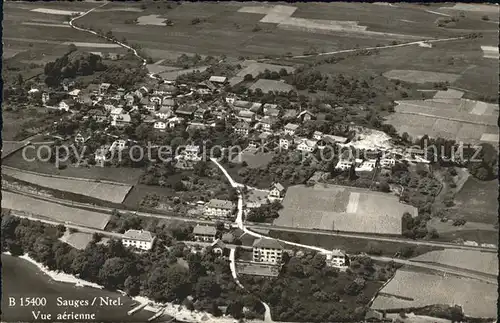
(228,162)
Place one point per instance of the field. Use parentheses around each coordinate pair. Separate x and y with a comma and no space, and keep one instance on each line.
(105,191)
(248,268)
(462,57)
(478,201)
(116,174)
(222,29)
(349,245)
(342,208)
(254,160)
(483,262)
(54,211)
(458,119)
(413,76)
(413,290)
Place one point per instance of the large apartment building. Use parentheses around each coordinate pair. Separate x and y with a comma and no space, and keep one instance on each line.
(267,251)
(219,208)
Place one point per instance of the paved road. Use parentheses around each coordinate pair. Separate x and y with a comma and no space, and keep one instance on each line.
(435,267)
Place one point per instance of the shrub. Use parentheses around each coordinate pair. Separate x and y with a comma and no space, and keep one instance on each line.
(485,18)
(195,21)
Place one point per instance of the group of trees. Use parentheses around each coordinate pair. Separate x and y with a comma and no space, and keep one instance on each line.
(156,274)
(264,213)
(416,227)
(326,295)
(71,66)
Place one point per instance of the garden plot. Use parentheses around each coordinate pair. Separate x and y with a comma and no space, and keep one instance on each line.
(483,262)
(54,211)
(413,290)
(448,94)
(414,76)
(114,193)
(254,68)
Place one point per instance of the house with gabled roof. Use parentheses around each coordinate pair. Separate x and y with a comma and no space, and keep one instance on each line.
(218,79)
(164,112)
(204,233)
(285,142)
(140,239)
(276,193)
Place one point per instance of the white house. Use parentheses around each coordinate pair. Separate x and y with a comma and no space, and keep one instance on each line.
(337,259)
(139,239)
(276,193)
(160,125)
(175,121)
(291,129)
(74,94)
(219,208)
(267,250)
(307,145)
(64,105)
(204,233)
(121,120)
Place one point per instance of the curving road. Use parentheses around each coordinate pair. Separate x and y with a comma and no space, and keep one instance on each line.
(240,224)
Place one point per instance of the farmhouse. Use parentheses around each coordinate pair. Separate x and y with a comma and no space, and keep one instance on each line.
(139,239)
(204,233)
(219,208)
(267,251)
(349,209)
(276,193)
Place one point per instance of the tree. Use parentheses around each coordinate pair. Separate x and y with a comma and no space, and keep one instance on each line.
(200,168)
(384,187)
(132,285)
(485,18)
(72,48)
(207,287)
(352,173)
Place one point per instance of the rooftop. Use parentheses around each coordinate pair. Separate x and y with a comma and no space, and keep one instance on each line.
(217,79)
(267,243)
(291,126)
(205,230)
(141,235)
(220,204)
